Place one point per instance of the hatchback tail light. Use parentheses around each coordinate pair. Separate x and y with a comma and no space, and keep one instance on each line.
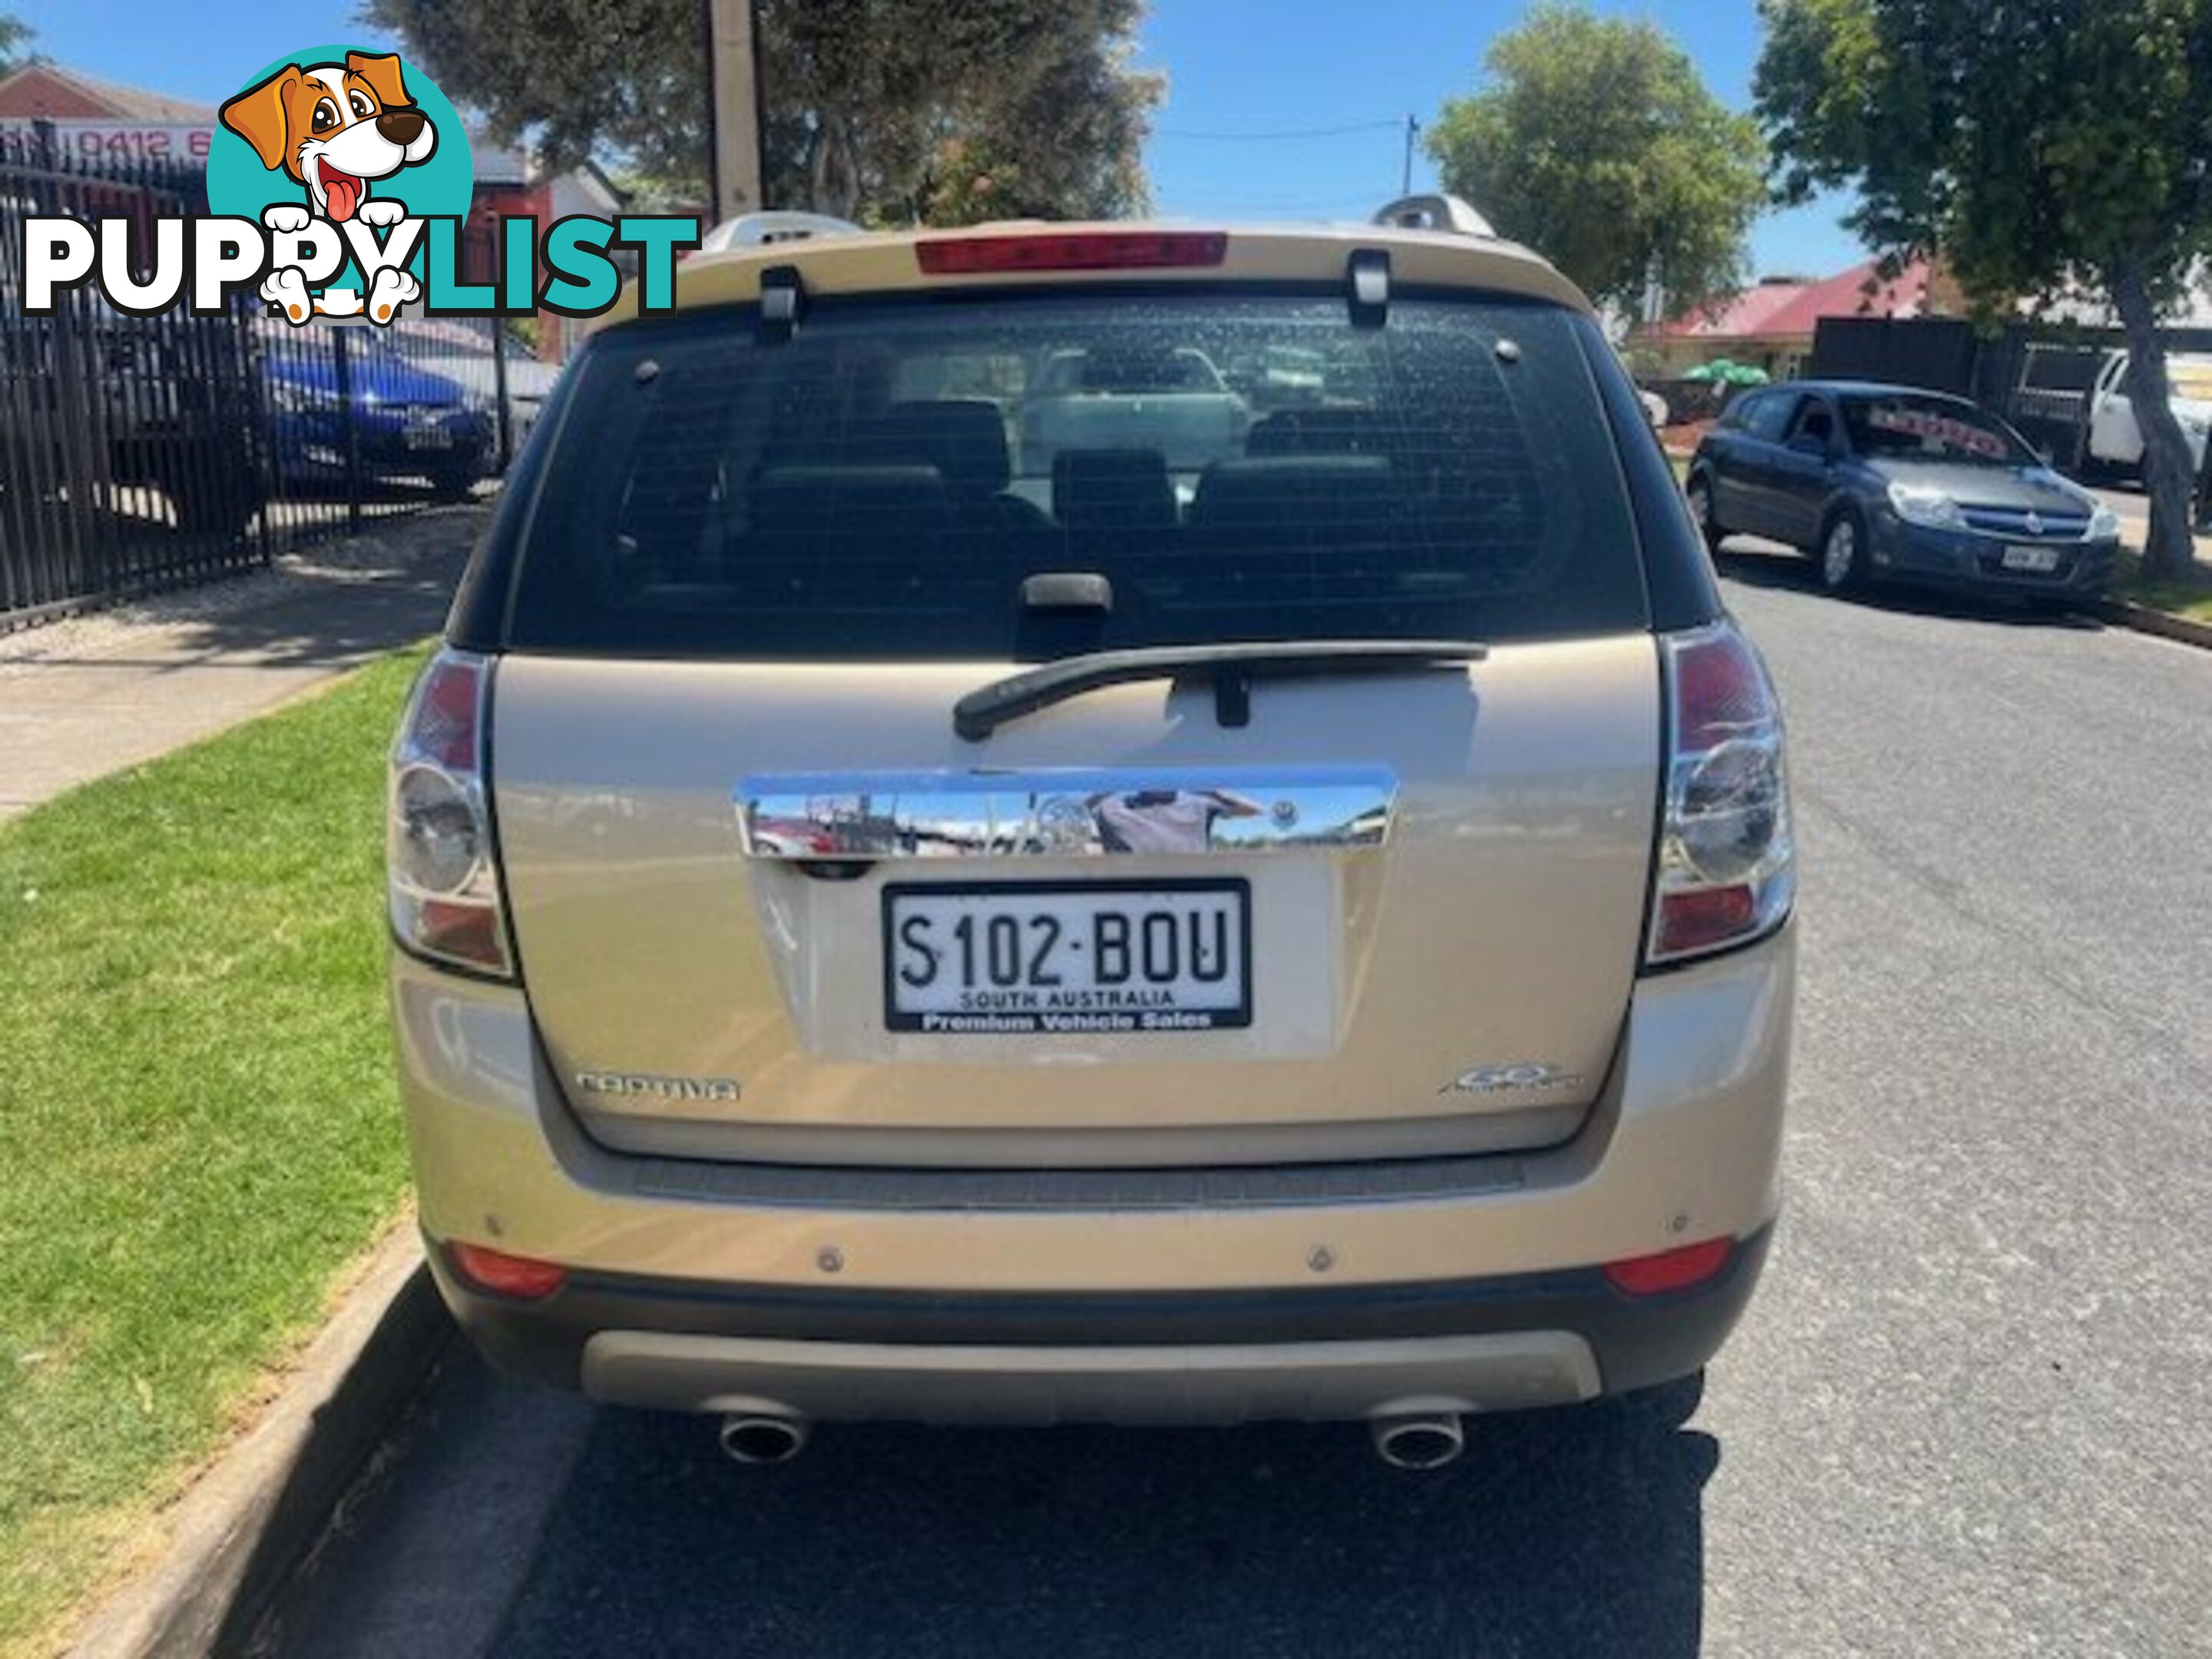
(1728,867)
(440,873)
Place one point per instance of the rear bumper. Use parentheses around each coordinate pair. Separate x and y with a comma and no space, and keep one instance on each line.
(1465,1345)
(1472,1280)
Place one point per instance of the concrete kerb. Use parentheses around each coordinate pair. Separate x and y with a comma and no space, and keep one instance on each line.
(2165,624)
(238,1532)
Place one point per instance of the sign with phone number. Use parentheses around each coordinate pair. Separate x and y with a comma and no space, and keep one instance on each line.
(121,141)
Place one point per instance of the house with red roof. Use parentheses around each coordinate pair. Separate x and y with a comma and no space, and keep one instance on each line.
(92,120)
(43,90)
(1770,325)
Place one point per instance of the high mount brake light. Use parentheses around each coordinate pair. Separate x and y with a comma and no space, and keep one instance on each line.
(1091,250)
(441,876)
(1727,866)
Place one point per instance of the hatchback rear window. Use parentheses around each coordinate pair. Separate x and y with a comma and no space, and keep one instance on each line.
(882,484)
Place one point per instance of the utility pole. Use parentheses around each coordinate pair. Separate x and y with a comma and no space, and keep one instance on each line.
(733,112)
(1405,180)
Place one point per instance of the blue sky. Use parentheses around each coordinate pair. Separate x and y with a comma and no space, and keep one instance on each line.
(1235,67)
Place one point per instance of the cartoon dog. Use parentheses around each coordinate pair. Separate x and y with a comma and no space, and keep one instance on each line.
(335,128)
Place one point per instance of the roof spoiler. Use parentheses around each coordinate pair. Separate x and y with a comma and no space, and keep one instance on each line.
(763,229)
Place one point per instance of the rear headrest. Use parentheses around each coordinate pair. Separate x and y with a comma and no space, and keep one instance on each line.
(1287,491)
(963,438)
(1112,488)
(815,499)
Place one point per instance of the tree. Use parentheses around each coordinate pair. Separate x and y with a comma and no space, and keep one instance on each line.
(13,32)
(2039,147)
(1596,143)
(877,109)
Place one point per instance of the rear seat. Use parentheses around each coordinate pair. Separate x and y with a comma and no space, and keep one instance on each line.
(1113,492)
(1308,518)
(965,439)
(820,532)
(1294,499)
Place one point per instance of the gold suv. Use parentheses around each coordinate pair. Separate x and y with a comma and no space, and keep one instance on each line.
(1096,822)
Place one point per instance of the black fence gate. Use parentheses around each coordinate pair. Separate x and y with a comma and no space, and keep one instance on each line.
(144,452)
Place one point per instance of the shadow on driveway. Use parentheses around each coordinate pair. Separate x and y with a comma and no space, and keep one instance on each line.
(1559,1532)
(391,586)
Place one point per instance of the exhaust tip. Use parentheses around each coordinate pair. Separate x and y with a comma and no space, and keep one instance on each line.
(756,1440)
(1427,1442)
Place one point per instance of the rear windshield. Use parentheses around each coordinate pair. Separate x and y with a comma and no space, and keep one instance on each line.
(882,484)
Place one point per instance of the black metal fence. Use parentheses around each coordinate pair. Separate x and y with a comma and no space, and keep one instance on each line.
(1939,353)
(143,453)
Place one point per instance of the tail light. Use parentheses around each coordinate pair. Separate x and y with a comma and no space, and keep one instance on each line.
(440,873)
(1728,867)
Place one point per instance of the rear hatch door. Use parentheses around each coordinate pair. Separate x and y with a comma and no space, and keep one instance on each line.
(770,904)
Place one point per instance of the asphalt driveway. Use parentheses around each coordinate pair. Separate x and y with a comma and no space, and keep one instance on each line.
(1966,1415)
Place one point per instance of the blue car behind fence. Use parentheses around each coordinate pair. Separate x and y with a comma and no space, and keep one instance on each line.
(1885,482)
(409,424)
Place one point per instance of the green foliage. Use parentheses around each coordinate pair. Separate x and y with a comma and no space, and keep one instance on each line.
(13,33)
(1595,141)
(876,108)
(198,1126)
(2031,143)
(2036,146)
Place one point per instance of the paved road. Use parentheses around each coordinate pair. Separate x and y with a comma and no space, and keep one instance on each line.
(1966,1415)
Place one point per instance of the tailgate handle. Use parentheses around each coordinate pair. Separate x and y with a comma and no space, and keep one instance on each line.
(810,818)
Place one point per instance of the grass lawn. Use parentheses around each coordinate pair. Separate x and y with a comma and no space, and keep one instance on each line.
(198,1125)
(2192,597)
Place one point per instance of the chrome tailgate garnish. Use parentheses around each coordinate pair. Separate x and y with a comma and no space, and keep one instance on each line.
(1063,813)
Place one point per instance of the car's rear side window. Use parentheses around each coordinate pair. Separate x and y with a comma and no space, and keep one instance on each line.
(883,484)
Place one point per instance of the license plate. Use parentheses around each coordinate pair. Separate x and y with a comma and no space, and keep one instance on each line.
(1074,958)
(428,437)
(2031,558)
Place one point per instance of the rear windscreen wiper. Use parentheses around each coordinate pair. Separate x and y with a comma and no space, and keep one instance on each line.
(1231,667)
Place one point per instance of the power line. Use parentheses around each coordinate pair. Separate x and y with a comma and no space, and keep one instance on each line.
(1395,123)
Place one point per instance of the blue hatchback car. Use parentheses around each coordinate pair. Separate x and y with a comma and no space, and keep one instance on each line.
(1887,482)
(410,423)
